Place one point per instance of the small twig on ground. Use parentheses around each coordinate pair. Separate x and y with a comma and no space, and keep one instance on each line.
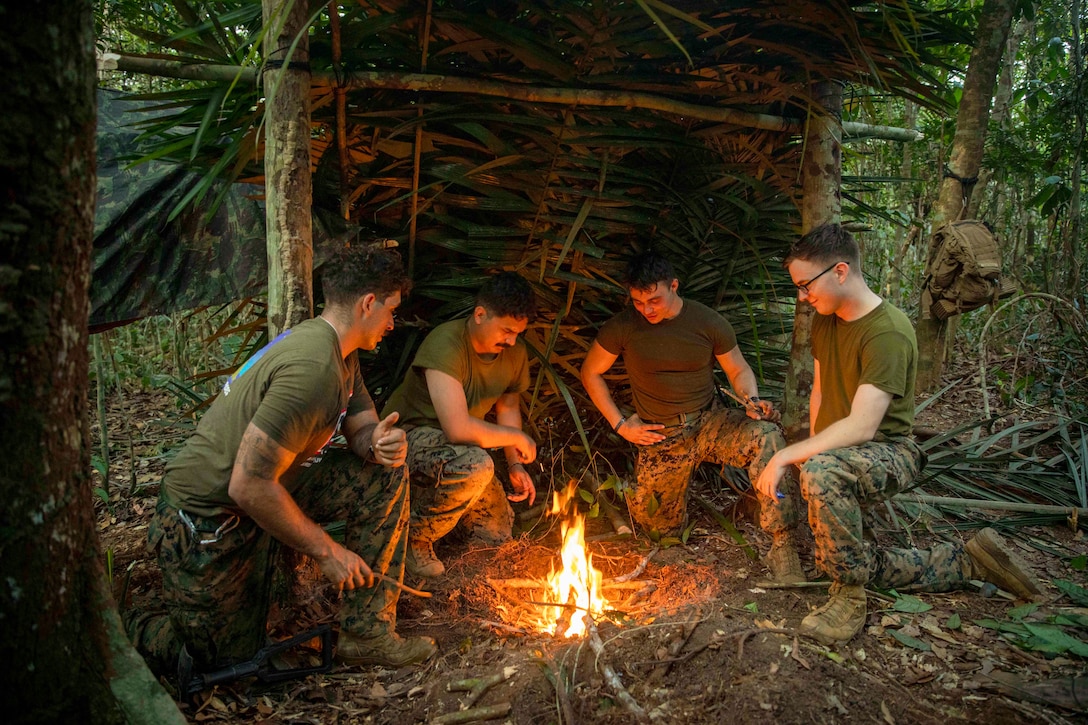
(610,676)
(565,706)
(484,712)
(404,587)
(681,638)
(477,686)
(502,626)
(637,572)
(796,654)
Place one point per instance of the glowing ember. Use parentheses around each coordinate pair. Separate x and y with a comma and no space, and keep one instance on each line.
(576,583)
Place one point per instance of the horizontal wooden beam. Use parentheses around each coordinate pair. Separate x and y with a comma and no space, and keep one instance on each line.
(533,94)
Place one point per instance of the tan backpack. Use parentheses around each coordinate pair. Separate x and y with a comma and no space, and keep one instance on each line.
(965,269)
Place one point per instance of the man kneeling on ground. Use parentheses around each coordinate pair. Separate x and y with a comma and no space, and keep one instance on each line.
(861,451)
(463,369)
(669,345)
(257,471)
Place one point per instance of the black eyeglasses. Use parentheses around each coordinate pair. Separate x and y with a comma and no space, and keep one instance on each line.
(802,287)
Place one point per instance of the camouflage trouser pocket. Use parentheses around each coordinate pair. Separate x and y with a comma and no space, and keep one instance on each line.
(216,574)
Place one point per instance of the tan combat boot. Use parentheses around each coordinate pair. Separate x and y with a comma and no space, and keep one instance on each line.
(841,618)
(420,560)
(783,561)
(387,649)
(992,560)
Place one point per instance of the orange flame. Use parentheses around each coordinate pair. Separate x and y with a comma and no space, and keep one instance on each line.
(576,583)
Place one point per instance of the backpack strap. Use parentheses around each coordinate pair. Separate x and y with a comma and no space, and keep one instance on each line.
(967,183)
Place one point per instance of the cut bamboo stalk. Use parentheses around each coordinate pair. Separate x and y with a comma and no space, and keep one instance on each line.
(977,503)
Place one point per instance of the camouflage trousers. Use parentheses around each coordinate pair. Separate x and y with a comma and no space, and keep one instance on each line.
(663,471)
(455,484)
(838,484)
(217,571)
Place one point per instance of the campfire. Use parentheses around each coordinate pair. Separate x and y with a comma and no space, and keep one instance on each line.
(574,594)
(576,586)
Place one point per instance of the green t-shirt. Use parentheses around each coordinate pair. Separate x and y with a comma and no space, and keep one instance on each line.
(879,349)
(296,389)
(670,364)
(448,349)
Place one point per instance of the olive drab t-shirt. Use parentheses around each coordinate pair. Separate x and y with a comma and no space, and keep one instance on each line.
(670,364)
(448,349)
(297,389)
(879,349)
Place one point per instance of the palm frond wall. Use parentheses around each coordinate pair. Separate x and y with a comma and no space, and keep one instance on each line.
(562,192)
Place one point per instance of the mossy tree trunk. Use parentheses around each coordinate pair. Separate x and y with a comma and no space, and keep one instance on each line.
(964,162)
(821,204)
(288,184)
(63,655)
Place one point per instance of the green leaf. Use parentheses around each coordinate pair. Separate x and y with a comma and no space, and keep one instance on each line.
(1078,594)
(953,622)
(102,494)
(1050,638)
(1018,613)
(752,607)
(907,603)
(667,541)
(1079,563)
(652,505)
(585,495)
(609,483)
(98,464)
(595,510)
(908,641)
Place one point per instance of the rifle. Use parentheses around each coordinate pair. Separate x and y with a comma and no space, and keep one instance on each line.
(260,665)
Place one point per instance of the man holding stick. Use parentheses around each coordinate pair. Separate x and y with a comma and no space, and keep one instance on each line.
(258,471)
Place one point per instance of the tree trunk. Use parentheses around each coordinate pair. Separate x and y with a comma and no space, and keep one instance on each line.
(964,162)
(287,181)
(821,204)
(63,655)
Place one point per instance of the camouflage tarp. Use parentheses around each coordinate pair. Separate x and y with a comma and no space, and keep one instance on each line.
(145,265)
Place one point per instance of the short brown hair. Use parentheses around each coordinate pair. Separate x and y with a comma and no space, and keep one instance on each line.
(826,244)
(362,269)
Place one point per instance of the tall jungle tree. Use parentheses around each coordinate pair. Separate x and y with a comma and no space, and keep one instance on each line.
(964,163)
(63,656)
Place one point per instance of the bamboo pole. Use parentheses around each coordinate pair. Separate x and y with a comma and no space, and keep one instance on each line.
(978,503)
(452,84)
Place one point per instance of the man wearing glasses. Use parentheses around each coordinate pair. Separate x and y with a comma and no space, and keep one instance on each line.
(463,369)
(669,346)
(860,450)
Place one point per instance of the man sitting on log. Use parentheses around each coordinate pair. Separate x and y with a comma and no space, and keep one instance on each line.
(860,450)
(463,369)
(669,345)
(258,471)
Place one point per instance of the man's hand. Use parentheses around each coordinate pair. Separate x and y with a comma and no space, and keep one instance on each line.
(762,410)
(526,448)
(639,433)
(769,478)
(522,484)
(346,569)
(389,444)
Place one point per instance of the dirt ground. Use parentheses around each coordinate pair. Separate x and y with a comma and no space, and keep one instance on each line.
(693,639)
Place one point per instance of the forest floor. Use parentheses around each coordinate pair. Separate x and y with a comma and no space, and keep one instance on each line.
(696,640)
